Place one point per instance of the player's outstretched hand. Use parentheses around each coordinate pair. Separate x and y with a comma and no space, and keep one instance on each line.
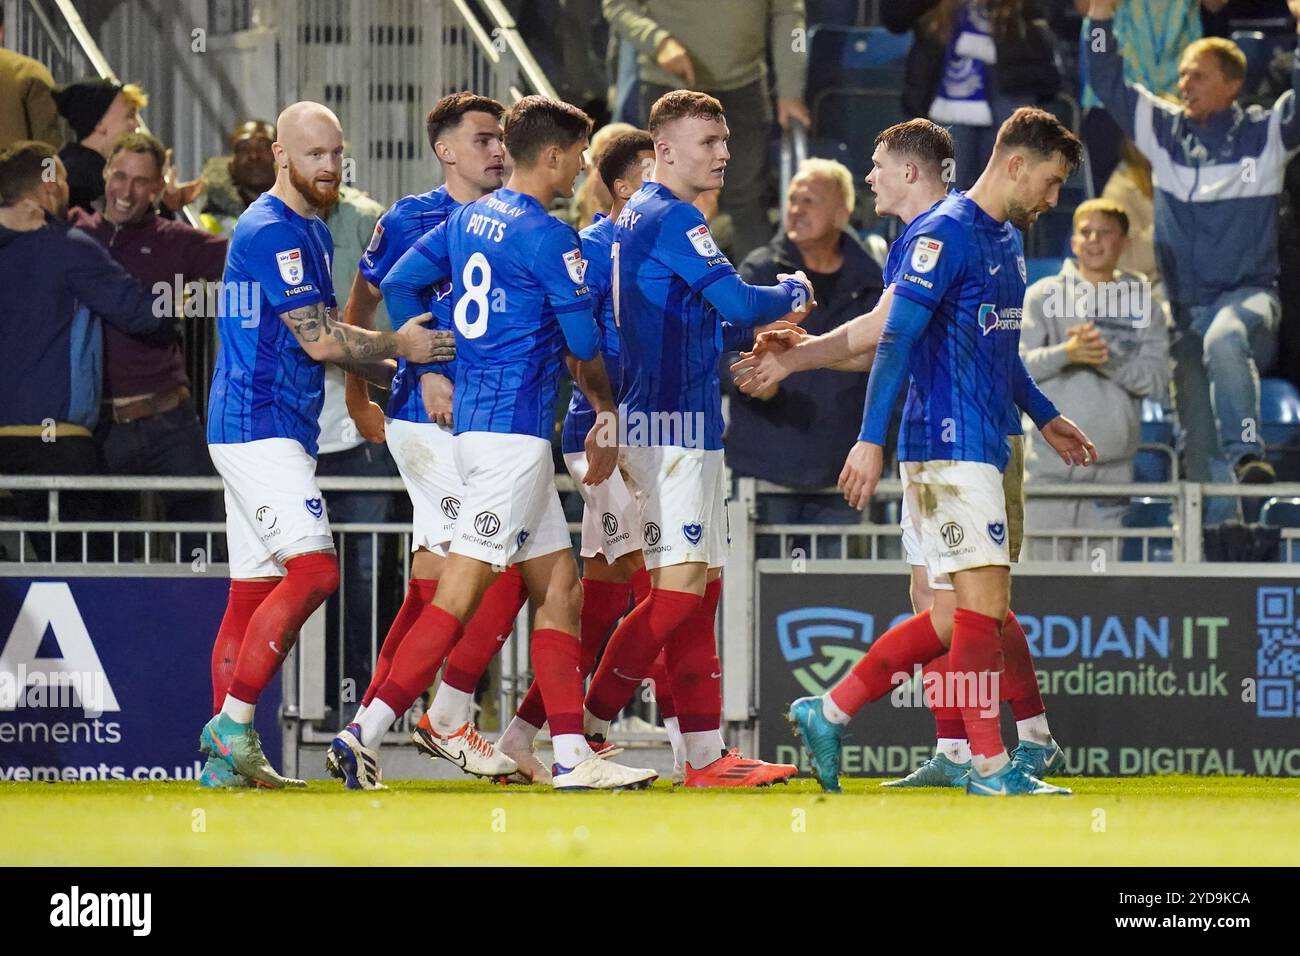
(422,346)
(1070,442)
(861,473)
(436,392)
(602,456)
(777,339)
(759,373)
(369,419)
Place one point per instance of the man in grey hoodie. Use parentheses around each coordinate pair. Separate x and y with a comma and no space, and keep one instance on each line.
(1095,343)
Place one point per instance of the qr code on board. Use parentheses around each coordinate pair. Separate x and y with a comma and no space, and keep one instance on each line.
(1277,661)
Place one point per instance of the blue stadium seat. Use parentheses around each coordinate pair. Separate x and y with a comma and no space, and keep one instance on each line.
(856,117)
(1259,49)
(1279,404)
(843,13)
(1283,513)
(1149,513)
(1153,463)
(1040,267)
(855,57)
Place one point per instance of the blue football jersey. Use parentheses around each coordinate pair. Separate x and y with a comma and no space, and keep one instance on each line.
(406,221)
(969,269)
(597,245)
(515,269)
(264,385)
(664,257)
(893,266)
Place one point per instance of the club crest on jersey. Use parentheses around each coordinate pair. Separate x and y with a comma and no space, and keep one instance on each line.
(376,237)
(1024,272)
(521,537)
(576,266)
(925,254)
(693,532)
(314,507)
(290,263)
(702,240)
(997,531)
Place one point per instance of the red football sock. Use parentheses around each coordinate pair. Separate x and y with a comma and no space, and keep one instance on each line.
(691,655)
(418,658)
(603,603)
(1019,680)
(532,708)
(637,641)
(897,651)
(486,631)
(663,687)
(419,593)
(273,627)
(245,598)
(641,584)
(556,658)
(948,724)
(977,652)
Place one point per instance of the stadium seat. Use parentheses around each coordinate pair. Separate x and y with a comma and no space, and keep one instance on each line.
(1279,403)
(855,117)
(1157,424)
(1154,463)
(1040,267)
(1283,513)
(841,13)
(855,58)
(1149,513)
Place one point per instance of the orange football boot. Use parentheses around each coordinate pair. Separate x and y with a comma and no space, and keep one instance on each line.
(733,770)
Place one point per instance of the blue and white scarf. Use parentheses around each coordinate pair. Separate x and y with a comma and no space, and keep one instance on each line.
(963,94)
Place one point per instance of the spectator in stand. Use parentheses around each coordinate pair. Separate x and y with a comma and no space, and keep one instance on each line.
(148,424)
(1152,35)
(100,113)
(1132,188)
(236,180)
(795,434)
(592,196)
(344,452)
(1218,172)
(27,107)
(721,48)
(972,64)
(59,283)
(1096,343)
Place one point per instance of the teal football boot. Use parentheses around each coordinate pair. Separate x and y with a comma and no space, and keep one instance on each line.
(1039,760)
(938,771)
(821,737)
(1010,781)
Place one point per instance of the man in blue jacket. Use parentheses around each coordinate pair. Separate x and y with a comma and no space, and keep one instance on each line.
(1218,172)
(58,284)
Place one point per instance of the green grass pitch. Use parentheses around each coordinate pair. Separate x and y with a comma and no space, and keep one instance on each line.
(1187,821)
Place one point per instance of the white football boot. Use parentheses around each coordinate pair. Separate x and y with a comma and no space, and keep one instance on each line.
(597,774)
(467,749)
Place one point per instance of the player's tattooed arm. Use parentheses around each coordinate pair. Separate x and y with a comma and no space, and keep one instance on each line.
(326,339)
(363,300)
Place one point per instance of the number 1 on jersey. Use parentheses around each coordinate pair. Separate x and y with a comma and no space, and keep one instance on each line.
(476,293)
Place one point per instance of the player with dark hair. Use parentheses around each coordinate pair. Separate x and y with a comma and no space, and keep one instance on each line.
(521,302)
(673,287)
(911,166)
(962,261)
(612,569)
(465,136)
(263,426)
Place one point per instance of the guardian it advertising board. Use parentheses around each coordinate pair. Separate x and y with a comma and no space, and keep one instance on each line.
(109,678)
(1140,675)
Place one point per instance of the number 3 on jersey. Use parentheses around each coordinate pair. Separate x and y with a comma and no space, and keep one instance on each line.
(477,279)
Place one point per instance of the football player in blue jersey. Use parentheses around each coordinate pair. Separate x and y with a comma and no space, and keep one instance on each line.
(613,570)
(672,289)
(958,284)
(263,414)
(521,304)
(464,132)
(911,166)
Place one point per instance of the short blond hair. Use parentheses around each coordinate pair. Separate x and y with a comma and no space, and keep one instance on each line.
(1231,60)
(1103,207)
(836,172)
(136,96)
